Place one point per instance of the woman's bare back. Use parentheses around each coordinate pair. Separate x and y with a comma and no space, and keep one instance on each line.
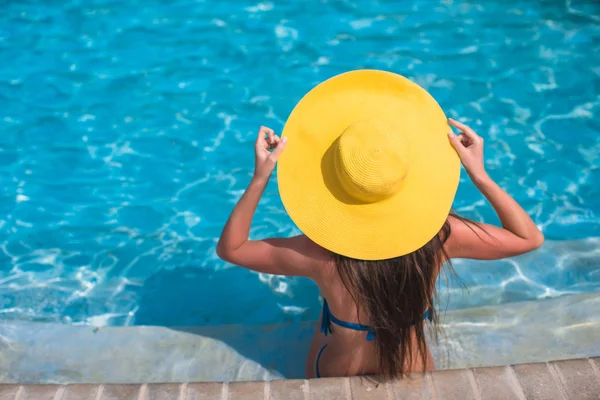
(347,351)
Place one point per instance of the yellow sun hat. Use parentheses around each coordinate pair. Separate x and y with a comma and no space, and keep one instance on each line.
(368,171)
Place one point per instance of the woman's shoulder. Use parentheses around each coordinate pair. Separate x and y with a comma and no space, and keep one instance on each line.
(312,250)
(320,259)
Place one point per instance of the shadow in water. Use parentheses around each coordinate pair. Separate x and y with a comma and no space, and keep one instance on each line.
(220,304)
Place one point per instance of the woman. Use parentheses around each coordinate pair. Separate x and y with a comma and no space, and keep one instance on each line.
(370,184)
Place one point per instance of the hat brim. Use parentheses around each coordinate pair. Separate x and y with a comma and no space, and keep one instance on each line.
(313,198)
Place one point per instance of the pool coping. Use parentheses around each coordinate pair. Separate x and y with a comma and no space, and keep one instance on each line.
(564,379)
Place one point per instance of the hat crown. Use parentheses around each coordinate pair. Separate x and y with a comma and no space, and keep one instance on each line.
(372,159)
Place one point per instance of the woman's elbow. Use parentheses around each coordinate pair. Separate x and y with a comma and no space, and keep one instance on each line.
(223,253)
(230,252)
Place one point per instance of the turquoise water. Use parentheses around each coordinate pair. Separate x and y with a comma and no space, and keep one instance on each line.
(127,128)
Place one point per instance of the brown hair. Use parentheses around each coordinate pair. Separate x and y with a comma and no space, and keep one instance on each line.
(394,294)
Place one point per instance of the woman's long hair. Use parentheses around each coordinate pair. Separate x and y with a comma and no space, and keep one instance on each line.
(394,294)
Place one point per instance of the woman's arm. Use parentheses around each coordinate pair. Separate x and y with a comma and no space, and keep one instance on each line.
(279,256)
(518,234)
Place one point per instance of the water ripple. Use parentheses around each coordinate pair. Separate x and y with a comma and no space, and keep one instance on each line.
(127,132)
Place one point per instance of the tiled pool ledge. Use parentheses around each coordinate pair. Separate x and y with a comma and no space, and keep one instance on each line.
(576,379)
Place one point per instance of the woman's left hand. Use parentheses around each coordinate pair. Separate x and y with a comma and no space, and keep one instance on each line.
(265,159)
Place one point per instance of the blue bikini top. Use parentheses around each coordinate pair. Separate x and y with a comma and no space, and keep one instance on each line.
(328,318)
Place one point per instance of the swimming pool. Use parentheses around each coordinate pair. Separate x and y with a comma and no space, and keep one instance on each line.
(127,133)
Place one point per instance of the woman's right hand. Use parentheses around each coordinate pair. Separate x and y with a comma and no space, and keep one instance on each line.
(265,159)
(469,147)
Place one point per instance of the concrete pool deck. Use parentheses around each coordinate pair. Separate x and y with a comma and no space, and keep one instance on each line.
(577,379)
(31,353)
(501,352)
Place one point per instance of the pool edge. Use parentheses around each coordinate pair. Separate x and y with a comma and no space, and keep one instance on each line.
(39,353)
(573,378)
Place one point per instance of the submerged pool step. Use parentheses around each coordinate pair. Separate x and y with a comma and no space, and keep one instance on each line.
(529,332)
(557,380)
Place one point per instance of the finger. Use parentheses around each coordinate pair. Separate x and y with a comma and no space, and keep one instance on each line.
(465,129)
(274,142)
(263,132)
(464,139)
(269,132)
(456,142)
(278,150)
(261,143)
(270,137)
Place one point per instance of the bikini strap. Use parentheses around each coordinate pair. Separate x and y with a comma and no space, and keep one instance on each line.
(428,315)
(371,335)
(325,320)
(328,317)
